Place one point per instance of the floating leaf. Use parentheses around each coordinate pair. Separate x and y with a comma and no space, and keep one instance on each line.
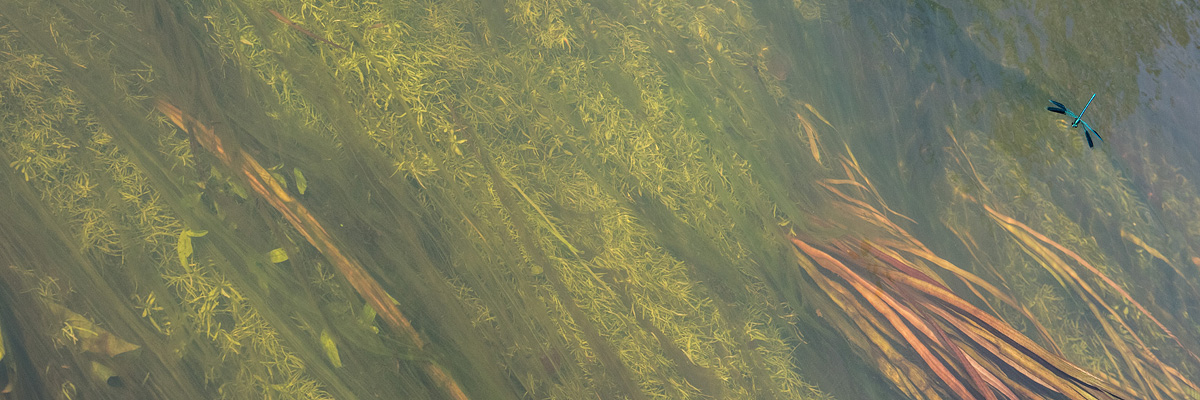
(238,190)
(814,141)
(90,337)
(1138,241)
(301,182)
(184,248)
(278,255)
(331,349)
(367,318)
(814,111)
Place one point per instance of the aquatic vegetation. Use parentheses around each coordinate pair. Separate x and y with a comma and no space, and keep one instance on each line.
(970,351)
(509,200)
(1132,333)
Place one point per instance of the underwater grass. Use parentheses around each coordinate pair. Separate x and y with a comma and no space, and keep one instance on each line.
(419,167)
(1132,332)
(501,200)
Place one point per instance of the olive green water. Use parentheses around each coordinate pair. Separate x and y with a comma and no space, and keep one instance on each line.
(566,199)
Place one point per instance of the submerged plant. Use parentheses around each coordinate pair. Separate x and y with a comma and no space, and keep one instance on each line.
(466,199)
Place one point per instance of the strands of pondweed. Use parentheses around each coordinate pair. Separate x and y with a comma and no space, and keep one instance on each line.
(972,326)
(1069,277)
(970,351)
(1125,349)
(1071,270)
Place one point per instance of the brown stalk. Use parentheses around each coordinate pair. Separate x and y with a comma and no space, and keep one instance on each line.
(975,281)
(971,246)
(853,163)
(969,163)
(814,142)
(954,340)
(303,221)
(884,305)
(1005,383)
(1034,364)
(1085,291)
(876,341)
(981,378)
(849,303)
(931,331)
(903,266)
(1019,344)
(975,372)
(987,341)
(914,247)
(900,265)
(925,325)
(1026,364)
(864,210)
(1094,270)
(1131,359)
(1130,237)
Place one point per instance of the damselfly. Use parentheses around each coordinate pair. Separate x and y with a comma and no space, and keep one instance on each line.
(1087,129)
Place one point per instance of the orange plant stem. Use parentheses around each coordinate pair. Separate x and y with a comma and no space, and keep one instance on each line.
(298,215)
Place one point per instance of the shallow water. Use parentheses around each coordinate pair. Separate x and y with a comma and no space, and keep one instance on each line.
(656,199)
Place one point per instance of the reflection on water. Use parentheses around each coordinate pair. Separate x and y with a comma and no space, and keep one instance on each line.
(562,199)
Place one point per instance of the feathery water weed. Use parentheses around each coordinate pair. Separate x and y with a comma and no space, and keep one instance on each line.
(572,165)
